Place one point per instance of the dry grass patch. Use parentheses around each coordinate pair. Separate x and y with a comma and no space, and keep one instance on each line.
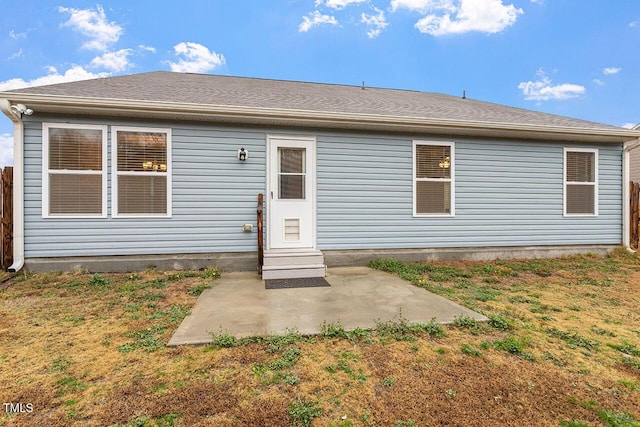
(562,347)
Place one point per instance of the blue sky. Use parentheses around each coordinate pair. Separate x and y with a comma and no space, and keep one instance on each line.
(570,57)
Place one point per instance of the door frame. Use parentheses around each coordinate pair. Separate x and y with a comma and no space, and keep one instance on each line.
(272,163)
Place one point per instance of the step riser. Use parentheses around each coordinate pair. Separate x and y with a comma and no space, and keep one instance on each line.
(293,273)
(292,260)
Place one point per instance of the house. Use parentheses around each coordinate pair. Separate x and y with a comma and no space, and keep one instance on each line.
(634,163)
(165,168)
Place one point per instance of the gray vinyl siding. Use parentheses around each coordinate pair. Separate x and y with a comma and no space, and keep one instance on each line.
(213,195)
(508,193)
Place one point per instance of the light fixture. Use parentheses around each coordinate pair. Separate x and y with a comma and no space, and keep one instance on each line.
(154,166)
(22,109)
(446,163)
(243,154)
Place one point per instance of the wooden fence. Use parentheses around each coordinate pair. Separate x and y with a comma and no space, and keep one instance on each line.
(6,212)
(634,214)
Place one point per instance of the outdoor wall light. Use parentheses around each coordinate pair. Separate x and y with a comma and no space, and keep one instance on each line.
(243,154)
(22,109)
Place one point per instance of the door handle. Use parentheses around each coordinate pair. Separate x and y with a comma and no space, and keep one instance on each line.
(272,194)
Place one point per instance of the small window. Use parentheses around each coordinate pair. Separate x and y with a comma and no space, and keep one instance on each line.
(580,182)
(74,169)
(433,189)
(142,164)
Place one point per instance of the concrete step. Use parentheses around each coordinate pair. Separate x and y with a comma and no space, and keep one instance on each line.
(291,259)
(294,271)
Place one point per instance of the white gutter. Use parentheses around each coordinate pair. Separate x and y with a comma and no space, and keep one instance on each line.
(626,203)
(18,185)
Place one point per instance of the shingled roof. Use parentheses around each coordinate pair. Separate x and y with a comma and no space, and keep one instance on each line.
(211,93)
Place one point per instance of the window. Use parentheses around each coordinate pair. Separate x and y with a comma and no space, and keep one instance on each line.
(74,170)
(141,172)
(580,182)
(433,178)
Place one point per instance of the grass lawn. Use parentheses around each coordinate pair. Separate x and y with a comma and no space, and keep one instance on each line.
(561,348)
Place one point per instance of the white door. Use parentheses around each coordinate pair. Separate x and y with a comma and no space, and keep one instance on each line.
(291,192)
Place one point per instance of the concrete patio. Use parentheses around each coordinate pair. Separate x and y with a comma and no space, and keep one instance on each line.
(239,304)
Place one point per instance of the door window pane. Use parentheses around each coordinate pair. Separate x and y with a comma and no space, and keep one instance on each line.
(292,173)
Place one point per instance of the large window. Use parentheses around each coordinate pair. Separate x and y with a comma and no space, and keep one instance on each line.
(433,178)
(580,181)
(74,170)
(141,172)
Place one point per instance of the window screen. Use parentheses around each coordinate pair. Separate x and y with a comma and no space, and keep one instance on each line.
(74,171)
(433,171)
(142,172)
(580,183)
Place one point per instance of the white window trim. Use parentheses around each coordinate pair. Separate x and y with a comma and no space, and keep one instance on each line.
(115,173)
(46,211)
(452,180)
(594,184)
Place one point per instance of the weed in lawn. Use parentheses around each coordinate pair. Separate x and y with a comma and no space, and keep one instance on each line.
(553,359)
(302,412)
(500,321)
(618,419)
(69,384)
(466,322)
(514,345)
(485,294)
(60,364)
(149,340)
(409,423)
(223,339)
(463,283)
(198,289)
(99,280)
(333,330)
(601,331)
(626,348)
(469,350)
(387,381)
(631,385)
(289,358)
(168,420)
(573,423)
(291,378)
(573,339)
(210,273)
(517,299)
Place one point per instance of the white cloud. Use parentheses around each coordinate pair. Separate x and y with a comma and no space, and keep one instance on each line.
(6,150)
(94,25)
(17,36)
(315,19)
(634,24)
(422,5)
(16,55)
(599,82)
(74,73)
(147,48)
(375,23)
(543,90)
(338,4)
(195,58)
(113,61)
(629,125)
(611,70)
(486,16)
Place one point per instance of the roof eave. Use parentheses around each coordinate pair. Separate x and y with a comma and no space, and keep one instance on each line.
(307,118)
